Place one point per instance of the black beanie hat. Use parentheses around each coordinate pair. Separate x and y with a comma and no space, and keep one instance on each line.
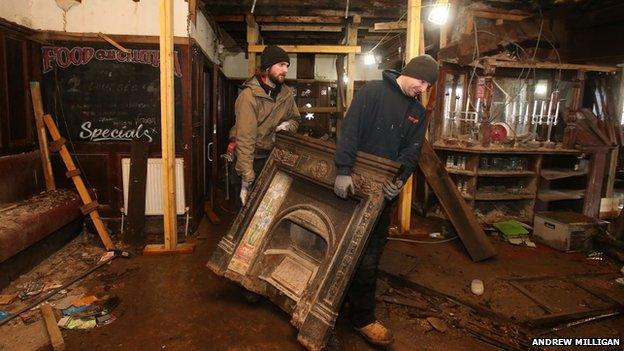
(422,67)
(271,55)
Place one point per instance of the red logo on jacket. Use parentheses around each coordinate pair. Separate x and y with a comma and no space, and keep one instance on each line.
(412,119)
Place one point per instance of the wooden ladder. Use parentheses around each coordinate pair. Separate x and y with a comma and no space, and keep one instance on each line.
(90,205)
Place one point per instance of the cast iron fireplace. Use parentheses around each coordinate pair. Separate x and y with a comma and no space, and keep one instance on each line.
(295,241)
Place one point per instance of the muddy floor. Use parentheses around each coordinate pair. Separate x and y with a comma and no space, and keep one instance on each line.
(176,303)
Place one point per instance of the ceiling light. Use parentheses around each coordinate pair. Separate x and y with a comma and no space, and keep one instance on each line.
(369,59)
(439,13)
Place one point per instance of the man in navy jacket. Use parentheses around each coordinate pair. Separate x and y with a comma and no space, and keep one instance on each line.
(385,119)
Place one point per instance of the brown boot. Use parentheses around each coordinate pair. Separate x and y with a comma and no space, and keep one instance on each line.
(376,334)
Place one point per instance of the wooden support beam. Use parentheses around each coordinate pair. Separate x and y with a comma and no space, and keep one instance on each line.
(253,36)
(389,26)
(299,28)
(282,19)
(506,16)
(591,206)
(42,137)
(193,10)
(412,49)
(552,65)
(80,186)
(352,33)
(311,49)
(167,127)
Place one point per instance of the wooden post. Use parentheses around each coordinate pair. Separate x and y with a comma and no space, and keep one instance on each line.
(35,92)
(352,33)
(253,34)
(167,126)
(412,48)
(56,338)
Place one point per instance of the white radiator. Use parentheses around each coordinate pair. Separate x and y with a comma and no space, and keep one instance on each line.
(153,191)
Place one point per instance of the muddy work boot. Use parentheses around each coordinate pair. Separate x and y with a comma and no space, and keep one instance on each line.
(376,334)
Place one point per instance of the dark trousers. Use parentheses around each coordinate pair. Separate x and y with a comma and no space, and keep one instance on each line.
(361,293)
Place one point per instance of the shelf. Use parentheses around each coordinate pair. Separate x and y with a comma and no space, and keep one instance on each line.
(505,173)
(467,196)
(483,196)
(493,149)
(557,195)
(560,173)
(460,172)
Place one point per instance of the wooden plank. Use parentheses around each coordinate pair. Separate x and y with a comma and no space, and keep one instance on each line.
(299,28)
(80,186)
(193,10)
(388,26)
(507,16)
(167,121)
(48,36)
(591,206)
(312,49)
(253,36)
(551,65)
(135,234)
(56,338)
(560,173)
(557,195)
(155,249)
(35,93)
(319,109)
(281,19)
(533,298)
(459,213)
(113,42)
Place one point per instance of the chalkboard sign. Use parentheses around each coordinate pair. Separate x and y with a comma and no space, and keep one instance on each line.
(104,94)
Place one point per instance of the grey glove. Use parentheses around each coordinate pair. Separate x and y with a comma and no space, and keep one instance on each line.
(343,185)
(392,189)
(244,191)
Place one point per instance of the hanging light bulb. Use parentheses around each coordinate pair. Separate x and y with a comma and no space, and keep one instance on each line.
(440,13)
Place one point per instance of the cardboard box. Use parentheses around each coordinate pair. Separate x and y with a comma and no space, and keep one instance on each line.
(565,231)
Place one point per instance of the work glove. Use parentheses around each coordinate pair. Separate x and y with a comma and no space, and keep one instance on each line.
(287,126)
(343,185)
(245,188)
(392,189)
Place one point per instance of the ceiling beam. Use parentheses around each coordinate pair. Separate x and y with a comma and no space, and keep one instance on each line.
(311,49)
(282,19)
(389,26)
(300,28)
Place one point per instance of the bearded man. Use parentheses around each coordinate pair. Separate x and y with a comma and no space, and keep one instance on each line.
(264,106)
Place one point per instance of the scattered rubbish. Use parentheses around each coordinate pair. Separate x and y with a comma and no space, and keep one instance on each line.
(28,317)
(397,300)
(7,299)
(69,322)
(51,286)
(515,240)
(85,300)
(4,315)
(107,256)
(31,289)
(438,324)
(476,286)
(66,301)
(528,242)
(595,255)
(72,310)
(111,303)
(511,228)
(620,281)
(436,235)
(105,319)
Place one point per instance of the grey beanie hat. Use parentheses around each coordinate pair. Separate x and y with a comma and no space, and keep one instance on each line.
(422,67)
